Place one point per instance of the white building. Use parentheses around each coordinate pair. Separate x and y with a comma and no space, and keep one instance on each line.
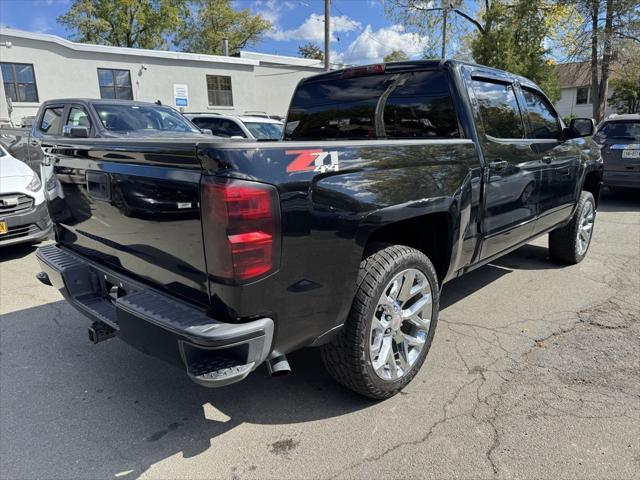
(575,90)
(38,67)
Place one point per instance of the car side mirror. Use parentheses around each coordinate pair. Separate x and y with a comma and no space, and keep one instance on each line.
(75,131)
(581,127)
(208,131)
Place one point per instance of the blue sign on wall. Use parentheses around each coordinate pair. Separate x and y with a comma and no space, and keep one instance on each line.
(181,95)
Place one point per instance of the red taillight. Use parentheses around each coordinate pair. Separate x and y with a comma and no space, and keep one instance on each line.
(241,229)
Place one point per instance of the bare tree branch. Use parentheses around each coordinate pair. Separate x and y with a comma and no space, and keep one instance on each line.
(471,19)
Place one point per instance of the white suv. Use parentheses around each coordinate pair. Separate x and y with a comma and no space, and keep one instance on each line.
(254,127)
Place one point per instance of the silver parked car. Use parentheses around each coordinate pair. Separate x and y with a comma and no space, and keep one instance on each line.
(232,126)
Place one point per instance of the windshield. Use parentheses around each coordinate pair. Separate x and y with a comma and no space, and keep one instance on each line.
(621,130)
(265,131)
(136,118)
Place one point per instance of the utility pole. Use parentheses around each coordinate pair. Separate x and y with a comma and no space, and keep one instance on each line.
(445,12)
(327,33)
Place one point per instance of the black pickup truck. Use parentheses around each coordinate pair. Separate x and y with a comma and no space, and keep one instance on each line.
(390,181)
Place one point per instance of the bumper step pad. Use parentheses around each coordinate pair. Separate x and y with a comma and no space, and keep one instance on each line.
(214,353)
(219,370)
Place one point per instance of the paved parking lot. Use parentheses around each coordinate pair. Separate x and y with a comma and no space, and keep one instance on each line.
(534,373)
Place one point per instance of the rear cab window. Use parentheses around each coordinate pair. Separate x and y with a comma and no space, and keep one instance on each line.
(407,105)
(622,130)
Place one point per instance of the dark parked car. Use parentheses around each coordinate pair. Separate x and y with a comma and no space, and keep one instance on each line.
(391,180)
(619,138)
(94,118)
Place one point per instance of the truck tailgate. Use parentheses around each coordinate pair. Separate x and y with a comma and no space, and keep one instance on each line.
(132,205)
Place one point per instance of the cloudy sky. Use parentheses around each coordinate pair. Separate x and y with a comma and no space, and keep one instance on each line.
(360,31)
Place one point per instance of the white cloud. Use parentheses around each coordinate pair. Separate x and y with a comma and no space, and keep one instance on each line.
(271,10)
(313,29)
(371,46)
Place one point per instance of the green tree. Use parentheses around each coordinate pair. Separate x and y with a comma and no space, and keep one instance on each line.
(508,34)
(513,40)
(626,81)
(603,27)
(123,23)
(206,23)
(396,56)
(311,50)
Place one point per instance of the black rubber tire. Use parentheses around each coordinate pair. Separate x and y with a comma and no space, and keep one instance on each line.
(346,357)
(563,242)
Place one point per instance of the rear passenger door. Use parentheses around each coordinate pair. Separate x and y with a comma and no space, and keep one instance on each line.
(559,160)
(512,169)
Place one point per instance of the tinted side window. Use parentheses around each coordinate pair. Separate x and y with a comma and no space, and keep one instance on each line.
(498,109)
(78,118)
(229,128)
(413,105)
(542,118)
(51,120)
(210,123)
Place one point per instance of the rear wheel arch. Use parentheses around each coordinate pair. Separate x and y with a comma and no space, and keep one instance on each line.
(592,184)
(431,234)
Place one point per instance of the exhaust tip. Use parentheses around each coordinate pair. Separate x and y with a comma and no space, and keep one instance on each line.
(44,278)
(278,366)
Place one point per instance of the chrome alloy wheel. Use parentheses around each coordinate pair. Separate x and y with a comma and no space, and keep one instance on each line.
(400,324)
(585,228)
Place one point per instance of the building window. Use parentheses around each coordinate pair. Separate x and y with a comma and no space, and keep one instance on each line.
(219,91)
(582,96)
(19,82)
(115,84)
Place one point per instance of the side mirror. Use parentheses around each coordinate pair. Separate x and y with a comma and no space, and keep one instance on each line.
(208,131)
(75,131)
(581,127)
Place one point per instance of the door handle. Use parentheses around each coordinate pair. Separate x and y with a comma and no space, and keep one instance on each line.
(498,165)
(547,159)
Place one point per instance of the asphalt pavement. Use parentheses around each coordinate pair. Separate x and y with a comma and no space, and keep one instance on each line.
(534,373)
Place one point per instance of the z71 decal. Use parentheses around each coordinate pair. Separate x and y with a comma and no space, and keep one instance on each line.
(315,160)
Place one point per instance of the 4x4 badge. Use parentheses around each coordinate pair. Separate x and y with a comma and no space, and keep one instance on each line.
(315,160)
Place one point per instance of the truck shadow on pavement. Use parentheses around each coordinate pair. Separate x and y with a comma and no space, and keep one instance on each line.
(627,200)
(79,410)
(13,252)
(70,409)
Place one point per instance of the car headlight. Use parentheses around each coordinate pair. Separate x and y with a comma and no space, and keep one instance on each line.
(34,184)
(51,183)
